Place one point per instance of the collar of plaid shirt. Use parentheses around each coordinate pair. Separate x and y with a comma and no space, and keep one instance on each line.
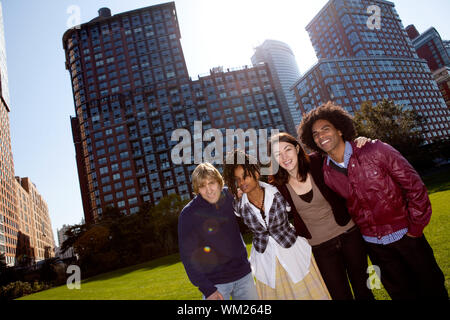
(276,223)
(269,192)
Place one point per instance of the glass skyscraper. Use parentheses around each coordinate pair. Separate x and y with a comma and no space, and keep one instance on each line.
(8,220)
(4,88)
(283,66)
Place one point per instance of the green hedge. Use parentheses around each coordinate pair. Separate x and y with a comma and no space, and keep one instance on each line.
(19,289)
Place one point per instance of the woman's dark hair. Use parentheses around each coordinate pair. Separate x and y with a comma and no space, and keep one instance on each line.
(235,160)
(336,115)
(282,176)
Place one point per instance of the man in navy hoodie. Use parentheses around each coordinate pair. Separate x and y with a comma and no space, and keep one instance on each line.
(211,247)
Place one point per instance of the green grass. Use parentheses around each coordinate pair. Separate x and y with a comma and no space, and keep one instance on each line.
(437,235)
(165,278)
(160,279)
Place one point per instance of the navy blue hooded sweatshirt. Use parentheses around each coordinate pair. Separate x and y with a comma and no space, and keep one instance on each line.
(211,246)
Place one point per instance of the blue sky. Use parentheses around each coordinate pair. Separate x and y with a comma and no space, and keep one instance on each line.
(214,33)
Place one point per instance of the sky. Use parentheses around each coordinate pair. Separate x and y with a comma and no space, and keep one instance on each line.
(214,33)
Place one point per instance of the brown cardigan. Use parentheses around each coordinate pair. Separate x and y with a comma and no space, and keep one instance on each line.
(337,203)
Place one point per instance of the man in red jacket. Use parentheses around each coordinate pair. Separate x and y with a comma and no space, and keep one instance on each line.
(386,199)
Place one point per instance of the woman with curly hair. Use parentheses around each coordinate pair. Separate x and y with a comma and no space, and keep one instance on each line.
(321,216)
(282,262)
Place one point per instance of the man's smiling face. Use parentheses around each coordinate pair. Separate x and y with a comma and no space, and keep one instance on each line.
(210,190)
(326,136)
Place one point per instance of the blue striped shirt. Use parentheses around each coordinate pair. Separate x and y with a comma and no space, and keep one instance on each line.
(347,155)
(387,239)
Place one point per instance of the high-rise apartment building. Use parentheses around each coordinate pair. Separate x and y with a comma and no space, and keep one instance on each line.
(61,238)
(35,235)
(432,48)
(447,45)
(240,98)
(429,46)
(4,88)
(442,78)
(283,66)
(364,61)
(132,90)
(9,222)
(341,29)
(123,69)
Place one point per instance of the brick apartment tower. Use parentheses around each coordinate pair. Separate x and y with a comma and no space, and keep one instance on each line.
(359,63)
(9,221)
(132,90)
(35,239)
(430,46)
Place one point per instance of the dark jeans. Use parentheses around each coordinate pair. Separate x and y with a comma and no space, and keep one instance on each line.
(408,269)
(342,259)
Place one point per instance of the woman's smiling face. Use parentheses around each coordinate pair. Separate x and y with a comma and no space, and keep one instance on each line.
(286,154)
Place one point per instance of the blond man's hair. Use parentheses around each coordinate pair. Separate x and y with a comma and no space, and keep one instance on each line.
(202,172)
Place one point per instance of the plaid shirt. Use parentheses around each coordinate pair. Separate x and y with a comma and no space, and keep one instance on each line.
(278,227)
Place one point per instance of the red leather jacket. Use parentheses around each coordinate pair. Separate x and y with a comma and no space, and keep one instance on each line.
(384,193)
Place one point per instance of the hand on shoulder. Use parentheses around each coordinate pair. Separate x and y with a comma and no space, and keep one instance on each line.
(362,141)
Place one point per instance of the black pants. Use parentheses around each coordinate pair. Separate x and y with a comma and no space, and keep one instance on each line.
(342,259)
(408,269)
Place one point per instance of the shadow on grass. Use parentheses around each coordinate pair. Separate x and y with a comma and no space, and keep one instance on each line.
(145,266)
(438,180)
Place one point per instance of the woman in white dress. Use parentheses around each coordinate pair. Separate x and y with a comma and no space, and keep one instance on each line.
(282,262)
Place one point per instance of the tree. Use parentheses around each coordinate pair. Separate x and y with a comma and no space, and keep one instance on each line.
(111,214)
(118,240)
(396,125)
(73,234)
(440,148)
(165,222)
(3,264)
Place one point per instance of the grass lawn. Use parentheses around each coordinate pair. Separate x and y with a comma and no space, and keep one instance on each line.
(165,278)
(160,279)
